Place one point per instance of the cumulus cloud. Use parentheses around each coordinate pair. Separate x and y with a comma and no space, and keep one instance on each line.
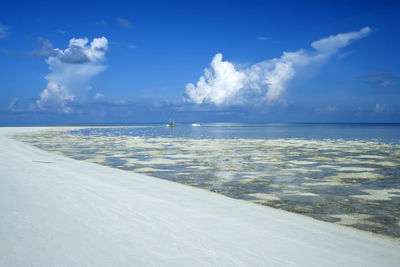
(225,84)
(70,73)
(124,23)
(218,85)
(3,31)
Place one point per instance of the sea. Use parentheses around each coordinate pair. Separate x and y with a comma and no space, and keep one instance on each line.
(348,174)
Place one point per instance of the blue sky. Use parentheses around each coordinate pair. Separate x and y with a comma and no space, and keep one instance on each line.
(145,61)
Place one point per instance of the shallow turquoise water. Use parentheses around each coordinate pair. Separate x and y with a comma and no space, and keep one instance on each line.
(388,133)
(347,174)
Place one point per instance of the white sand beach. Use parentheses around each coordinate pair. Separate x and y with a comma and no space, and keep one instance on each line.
(56,211)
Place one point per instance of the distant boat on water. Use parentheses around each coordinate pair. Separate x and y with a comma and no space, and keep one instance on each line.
(196,124)
(171,124)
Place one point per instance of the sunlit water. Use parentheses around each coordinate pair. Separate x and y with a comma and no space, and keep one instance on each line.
(347,174)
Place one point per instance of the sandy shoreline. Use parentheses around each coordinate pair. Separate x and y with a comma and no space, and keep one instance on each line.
(59,211)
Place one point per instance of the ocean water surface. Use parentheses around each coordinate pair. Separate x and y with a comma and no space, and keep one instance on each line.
(342,173)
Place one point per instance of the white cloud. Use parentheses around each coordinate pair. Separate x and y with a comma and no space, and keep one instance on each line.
(71,71)
(46,50)
(328,110)
(13,106)
(383,79)
(120,102)
(381,108)
(61,31)
(225,84)
(55,97)
(3,31)
(223,77)
(124,23)
(333,43)
(79,52)
(98,96)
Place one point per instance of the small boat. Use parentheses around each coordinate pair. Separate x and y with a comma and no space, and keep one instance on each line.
(171,124)
(196,124)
